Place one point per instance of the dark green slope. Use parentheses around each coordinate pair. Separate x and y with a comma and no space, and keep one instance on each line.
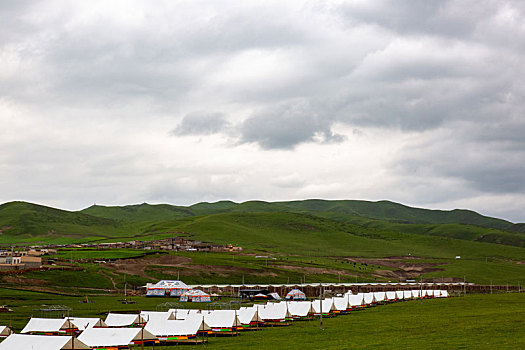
(293,233)
(21,218)
(390,211)
(139,212)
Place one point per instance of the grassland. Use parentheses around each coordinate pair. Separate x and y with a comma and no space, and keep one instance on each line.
(472,322)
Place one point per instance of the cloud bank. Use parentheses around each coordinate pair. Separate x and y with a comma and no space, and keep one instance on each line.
(180,102)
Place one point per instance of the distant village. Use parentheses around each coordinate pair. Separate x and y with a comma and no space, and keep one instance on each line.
(32,258)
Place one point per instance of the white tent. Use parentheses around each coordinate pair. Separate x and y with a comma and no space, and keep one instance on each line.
(379,297)
(407,294)
(49,326)
(391,295)
(182,314)
(300,309)
(249,316)
(436,293)
(114,337)
(124,320)
(172,330)
(369,298)
(341,304)
(274,312)
(41,342)
(416,293)
(328,306)
(357,300)
(444,294)
(221,320)
(83,323)
(400,295)
(5,331)
(157,315)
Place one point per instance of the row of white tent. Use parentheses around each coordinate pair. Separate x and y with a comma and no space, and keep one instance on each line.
(148,327)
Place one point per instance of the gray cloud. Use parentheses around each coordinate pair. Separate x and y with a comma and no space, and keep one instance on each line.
(438,81)
(286,126)
(202,123)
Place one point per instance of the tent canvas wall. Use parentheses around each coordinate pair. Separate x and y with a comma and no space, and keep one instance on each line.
(341,304)
(41,342)
(300,309)
(175,330)
(249,317)
(222,320)
(356,301)
(116,337)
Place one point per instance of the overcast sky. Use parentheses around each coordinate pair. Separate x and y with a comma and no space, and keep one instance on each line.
(123,102)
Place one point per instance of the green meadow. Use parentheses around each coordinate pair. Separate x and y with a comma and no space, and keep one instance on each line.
(477,321)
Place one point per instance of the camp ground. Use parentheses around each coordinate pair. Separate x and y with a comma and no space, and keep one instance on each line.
(178,331)
(249,318)
(300,310)
(41,342)
(118,338)
(82,323)
(186,326)
(49,326)
(124,320)
(295,294)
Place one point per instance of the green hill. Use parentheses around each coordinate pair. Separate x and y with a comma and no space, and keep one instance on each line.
(139,212)
(21,221)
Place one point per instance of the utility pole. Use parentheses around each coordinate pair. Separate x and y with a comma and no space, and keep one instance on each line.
(321,305)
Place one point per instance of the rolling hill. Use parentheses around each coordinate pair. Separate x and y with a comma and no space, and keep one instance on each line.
(31,222)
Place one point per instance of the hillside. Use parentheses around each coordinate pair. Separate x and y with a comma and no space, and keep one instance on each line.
(459,224)
(21,221)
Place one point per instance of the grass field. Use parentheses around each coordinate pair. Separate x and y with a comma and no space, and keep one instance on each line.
(472,322)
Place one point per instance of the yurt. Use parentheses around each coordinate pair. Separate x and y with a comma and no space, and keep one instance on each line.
(195,296)
(295,294)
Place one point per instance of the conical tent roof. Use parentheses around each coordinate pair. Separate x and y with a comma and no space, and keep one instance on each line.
(169,284)
(296,294)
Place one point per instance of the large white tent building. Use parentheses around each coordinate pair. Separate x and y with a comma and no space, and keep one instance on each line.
(167,288)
